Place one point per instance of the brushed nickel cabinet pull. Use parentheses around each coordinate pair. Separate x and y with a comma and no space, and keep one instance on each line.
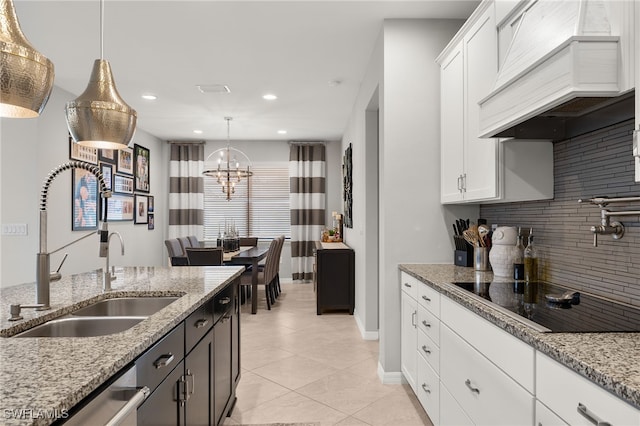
(471,388)
(163,360)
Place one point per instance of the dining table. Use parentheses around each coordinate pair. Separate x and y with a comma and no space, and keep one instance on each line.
(249,256)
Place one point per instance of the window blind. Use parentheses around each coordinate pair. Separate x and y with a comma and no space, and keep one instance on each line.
(259,207)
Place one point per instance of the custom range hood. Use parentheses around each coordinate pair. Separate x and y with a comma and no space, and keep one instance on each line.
(562,74)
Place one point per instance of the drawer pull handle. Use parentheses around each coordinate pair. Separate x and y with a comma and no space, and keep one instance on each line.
(163,360)
(471,388)
(407,285)
(424,348)
(413,319)
(582,409)
(425,323)
(424,388)
(426,298)
(201,323)
(224,301)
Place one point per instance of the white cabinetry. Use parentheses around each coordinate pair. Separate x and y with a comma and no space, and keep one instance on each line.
(475,169)
(576,400)
(409,338)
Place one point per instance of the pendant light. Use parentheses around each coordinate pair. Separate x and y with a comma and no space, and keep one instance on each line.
(26,76)
(228,169)
(99,117)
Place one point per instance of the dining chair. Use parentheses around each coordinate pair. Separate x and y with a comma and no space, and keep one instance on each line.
(193,240)
(176,256)
(184,243)
(248,241)
(276,285)
(266,277)
(204,256)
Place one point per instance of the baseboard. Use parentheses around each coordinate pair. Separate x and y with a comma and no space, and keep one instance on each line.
(390,378)
(366,335)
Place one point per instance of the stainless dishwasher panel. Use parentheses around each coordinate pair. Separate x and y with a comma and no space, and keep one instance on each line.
(116,404)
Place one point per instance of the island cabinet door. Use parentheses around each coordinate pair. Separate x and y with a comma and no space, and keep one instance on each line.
(198,376)
(162,407)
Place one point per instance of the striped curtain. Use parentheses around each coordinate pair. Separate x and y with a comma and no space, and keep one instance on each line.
(186,189)
(307,201)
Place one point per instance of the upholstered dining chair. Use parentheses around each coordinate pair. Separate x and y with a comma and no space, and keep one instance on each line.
(184,243)
(193,240)
(204,256)
(176,254)
(276,285)
(266,276)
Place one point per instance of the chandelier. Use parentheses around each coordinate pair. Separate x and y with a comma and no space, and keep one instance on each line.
(228,170)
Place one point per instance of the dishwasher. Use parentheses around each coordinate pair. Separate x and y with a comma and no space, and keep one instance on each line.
(115,403)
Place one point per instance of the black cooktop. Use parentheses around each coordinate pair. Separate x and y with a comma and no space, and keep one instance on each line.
(541,303)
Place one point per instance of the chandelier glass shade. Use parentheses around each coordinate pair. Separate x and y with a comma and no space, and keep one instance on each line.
(99,117)
(26,76)
(228,165)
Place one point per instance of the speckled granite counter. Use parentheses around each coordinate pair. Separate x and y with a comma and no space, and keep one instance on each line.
(49,375)
(611,360)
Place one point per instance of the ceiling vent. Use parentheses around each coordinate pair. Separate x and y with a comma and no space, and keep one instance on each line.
(213,88)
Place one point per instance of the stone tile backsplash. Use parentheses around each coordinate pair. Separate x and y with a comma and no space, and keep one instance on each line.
(592,165)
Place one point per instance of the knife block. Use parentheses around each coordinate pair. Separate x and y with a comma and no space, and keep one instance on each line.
(463,255)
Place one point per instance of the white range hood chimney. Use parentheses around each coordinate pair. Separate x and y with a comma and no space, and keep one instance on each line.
(564,61)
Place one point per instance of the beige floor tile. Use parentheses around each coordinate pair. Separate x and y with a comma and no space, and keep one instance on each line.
(345,391)
(367,368)
(399,408)
(259,357)
(294,372)
(290,408)
(255,390)
(350,421)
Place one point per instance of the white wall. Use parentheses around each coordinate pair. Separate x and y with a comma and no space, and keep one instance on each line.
(413,226)
(30,150)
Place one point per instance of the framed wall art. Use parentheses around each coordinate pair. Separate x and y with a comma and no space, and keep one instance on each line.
(347,179)
(150,204)
(122,184)
(141,214)
(125,161)
(82,153)
(108,155)
(141,171)
(84,208)
(150,224)
(107,174)
(119,208)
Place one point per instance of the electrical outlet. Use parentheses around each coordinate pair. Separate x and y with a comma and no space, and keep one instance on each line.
(14,229)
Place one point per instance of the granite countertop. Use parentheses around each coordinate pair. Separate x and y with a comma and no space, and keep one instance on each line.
(611,360)
(43,376)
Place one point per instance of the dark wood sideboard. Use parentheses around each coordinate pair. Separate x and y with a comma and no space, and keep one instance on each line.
(334,277)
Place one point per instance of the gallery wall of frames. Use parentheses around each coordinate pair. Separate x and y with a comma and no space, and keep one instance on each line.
(126,174)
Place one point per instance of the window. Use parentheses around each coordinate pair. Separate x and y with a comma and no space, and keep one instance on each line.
(259,207)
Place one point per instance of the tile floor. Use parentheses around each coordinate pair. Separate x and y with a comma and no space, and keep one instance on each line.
(301,367)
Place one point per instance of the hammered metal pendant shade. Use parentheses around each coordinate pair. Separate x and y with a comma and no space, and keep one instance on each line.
(99,117)
(26,76)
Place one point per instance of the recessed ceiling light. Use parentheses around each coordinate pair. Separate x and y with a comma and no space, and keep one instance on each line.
(270,97)
(197,132)
(282,132)
(149,97)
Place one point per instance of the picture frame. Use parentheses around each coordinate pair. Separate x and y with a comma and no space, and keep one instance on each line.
(141,214)
(141,172)
(151,221)
(108,155)
(120,208)
(84,200)
(82,153)
(125,161)
(122,184)
(107,174)
(347,193)
(150,204)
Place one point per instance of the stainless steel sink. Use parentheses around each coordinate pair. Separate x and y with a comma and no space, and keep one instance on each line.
(82,326)
(126,306)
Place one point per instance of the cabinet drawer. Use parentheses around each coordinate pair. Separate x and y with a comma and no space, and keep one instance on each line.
(566,393)
(223,301)
(429,298)
(197,324)
(509,353)
(409,285)
(546,417)
(429,324)
(428,390)
(488,396)
(154,365)
(429,351)
(451,414)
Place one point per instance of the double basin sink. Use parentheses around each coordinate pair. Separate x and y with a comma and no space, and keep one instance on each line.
(101,318)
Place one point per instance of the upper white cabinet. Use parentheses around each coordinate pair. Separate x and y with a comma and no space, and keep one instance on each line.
(475,169)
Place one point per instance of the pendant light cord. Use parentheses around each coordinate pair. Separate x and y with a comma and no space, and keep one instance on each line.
(101,29)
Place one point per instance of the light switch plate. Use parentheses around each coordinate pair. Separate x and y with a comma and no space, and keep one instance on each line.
(15,229)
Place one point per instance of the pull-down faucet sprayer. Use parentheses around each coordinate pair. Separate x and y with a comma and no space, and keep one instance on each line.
(43,272)
(108,276)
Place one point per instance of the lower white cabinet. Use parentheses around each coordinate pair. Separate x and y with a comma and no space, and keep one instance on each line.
(488,395)
(451,414)
(578,401)
(409,339)
(546,417)
(428,390)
